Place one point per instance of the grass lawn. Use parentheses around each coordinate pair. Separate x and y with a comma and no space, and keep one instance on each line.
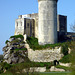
(55,73)
(45,73)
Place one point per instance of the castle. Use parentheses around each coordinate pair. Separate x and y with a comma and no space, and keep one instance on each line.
(45,25)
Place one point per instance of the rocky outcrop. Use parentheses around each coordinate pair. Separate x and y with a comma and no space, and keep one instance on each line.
(35,69)
(15,51)
(1,58)
(65,64)
(53,68)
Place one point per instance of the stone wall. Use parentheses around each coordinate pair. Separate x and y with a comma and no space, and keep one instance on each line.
(19,26)
(46,55)
(34,24)
(33,18)
(24,26)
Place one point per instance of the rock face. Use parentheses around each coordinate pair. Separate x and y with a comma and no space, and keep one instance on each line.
(35,69)
(65,64)
(15,51)
(38,69)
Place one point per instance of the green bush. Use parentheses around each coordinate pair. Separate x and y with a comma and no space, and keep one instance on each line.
(17,36)
(6,73)
(6,41)
(1,71)
(33,43)
(42,64)
(66,59)
(5,65)
(20,66)
(72,58)
(25,49)
(63,67)
(65,49)
(1,57)
(17,41)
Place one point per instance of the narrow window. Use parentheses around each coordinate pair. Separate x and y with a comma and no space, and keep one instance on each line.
(17,24)
(27,24)
(21,23)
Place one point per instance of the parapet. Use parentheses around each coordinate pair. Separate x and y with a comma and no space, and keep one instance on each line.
(20,16)
(48,0)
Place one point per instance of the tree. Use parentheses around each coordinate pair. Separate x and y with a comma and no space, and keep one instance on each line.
(72,46)
(72,27)
(72,58)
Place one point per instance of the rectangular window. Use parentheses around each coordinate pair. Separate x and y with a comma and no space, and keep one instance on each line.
(17,24)
(28,25)
(21,23)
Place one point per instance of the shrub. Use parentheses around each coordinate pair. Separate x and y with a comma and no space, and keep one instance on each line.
(1,71)
(42,64)
(19,67)
(17,36)
(63,67)
(66,59)
(15,41)
(1,57)
(65,49)
(6,73)
(6,41)
(33,42)
(72,58)
(25,49)
(5,65)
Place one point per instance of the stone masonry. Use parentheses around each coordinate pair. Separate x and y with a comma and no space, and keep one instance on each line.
(47,55)
(47,23)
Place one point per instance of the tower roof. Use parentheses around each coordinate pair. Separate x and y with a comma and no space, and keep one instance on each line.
(48,0)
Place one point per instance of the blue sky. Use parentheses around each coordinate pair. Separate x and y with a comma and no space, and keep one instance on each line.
(10,9)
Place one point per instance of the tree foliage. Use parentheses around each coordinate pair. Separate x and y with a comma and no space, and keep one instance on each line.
(72,58)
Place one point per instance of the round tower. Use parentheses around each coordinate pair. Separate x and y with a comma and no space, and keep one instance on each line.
(47,22)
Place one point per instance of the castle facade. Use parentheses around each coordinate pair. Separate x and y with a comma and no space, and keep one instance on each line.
(28,24)
(45,25)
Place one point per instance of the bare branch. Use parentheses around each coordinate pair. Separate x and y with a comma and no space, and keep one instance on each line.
(72,27)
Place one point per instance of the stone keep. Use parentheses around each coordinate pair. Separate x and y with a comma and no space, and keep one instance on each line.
(47,24)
